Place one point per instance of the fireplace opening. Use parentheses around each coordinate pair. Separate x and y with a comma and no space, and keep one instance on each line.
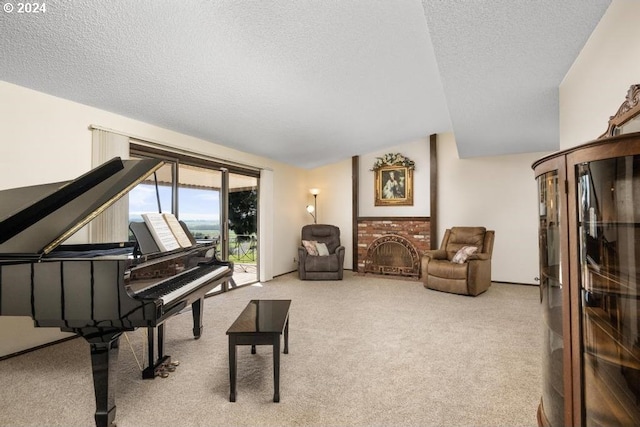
(392,254)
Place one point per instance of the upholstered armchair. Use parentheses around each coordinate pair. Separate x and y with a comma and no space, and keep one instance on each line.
(456,267)
(326,265)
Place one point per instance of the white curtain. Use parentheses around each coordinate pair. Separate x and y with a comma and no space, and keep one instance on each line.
(113,224)
(266,225)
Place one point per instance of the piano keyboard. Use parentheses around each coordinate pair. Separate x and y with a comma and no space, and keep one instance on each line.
(176,286)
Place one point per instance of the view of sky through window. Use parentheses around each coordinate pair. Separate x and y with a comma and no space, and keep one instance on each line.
(195,204)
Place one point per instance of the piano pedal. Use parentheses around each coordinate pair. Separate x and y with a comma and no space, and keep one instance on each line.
(170,368)
(159,369)
(175,363)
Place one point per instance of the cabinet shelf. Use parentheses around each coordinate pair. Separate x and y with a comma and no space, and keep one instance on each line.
(610,282)
(610,224)
(603,341)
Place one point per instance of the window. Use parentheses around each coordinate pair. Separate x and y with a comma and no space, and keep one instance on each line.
(199,201)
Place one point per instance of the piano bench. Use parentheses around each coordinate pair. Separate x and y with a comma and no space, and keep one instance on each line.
(262,322)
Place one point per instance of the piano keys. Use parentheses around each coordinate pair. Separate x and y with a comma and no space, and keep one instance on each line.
(98,291)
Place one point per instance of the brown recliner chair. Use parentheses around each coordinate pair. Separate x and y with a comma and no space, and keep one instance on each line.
(319,267)
(473,276)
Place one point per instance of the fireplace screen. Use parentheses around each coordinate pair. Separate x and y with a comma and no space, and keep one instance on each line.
(392,255)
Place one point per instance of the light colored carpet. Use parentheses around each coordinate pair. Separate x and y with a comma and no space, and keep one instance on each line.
(362,352)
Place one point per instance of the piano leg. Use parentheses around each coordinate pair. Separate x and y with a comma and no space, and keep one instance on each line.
(160,341)
(196,310)
(151,346)
(104,361)
(159,368)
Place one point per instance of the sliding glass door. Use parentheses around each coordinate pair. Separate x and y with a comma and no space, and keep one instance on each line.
(243,227)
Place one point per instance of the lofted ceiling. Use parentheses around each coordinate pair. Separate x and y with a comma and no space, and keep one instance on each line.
(311,82)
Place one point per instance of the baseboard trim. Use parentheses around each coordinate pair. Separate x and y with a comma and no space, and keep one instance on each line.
(515,283)
(29,350)
(296,270)
(284,274)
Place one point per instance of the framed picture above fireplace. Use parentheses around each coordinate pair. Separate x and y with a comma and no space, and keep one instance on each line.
(394,186)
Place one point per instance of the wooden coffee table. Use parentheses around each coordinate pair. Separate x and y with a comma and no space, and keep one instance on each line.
(262,322)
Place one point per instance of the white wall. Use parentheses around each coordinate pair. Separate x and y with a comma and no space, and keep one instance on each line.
(598,81)
(418,151)
(334,202)
(498,193)
(46,139)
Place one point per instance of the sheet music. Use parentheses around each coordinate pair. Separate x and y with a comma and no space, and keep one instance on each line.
(160,231)
(178,231)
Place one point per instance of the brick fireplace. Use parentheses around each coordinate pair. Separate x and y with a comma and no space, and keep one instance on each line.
(414,231)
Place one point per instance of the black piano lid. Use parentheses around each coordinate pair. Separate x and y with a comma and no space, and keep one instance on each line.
(34,220)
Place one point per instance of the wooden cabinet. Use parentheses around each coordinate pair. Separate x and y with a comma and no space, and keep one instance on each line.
(589,235)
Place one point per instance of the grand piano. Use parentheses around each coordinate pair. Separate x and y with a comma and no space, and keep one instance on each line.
(98,291)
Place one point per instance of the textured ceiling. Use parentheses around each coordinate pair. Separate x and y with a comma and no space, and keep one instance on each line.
(311,82)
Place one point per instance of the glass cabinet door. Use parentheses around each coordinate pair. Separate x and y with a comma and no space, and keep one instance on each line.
(551,297)
(609,259)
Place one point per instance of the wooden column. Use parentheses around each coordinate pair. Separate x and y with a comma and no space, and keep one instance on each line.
(433,191)
(355,183)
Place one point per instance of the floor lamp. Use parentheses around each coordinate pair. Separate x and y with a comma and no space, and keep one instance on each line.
(312,209)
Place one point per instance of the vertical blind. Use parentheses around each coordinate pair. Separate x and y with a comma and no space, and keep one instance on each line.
(113,224)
